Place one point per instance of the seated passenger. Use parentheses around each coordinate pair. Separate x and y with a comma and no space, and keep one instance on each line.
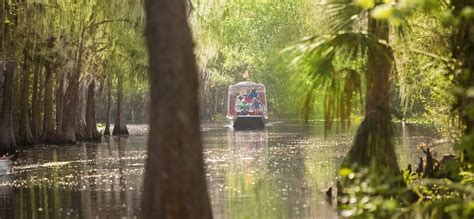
(257,106)
(253,94)
(239,104)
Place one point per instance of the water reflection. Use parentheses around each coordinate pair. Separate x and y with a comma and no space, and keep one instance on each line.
(82,181)
(6,199)
(275,173)
(411,137)
(262,175)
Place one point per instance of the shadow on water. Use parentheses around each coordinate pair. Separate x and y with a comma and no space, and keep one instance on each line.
(275,173)
(81,181)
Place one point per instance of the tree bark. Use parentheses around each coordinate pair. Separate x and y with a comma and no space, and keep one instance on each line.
(69,121)
(91,132)
(109,106)
(373,146)
(35,105)
(120,126)
(25,134)
(71,99)
(48,126)
(7,137)
(59,103)
(2,80)
(81,112)
(175,183)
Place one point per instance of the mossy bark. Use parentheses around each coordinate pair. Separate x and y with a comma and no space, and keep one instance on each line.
(67,134)
(48,125)
(7,137)
(81,112)
(36,99)
(91,132)
(120,126)
(59,102)
(25,135)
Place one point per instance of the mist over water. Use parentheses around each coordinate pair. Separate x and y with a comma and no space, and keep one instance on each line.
(276,173)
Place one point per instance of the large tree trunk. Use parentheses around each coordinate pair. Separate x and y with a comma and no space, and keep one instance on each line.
(373,146)
(25,134)
(120,126)
(7,137)
(69,120)
(81,112)
(175,183)
(71,99)
(59,103)
(48,126)
(35,105)
(91,134)
(109,106)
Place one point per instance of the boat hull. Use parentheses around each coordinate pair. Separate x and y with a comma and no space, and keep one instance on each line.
(249,123)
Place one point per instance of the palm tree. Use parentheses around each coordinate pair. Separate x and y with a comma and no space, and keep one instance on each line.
(175,184)
(338,63)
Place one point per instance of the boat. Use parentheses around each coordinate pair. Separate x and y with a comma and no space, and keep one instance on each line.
(6,163)
(247,106)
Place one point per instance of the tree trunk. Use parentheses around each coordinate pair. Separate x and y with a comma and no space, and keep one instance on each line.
(59,103)
(71,99)
(35,106)
(2,80)
(25,134)
(373,146)
(48,126)
(120,126)
(92,134)
(109,106)
(81,112)
(7,137)
(175,183)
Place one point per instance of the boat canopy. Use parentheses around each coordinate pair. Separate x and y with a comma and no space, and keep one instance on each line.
(247,99)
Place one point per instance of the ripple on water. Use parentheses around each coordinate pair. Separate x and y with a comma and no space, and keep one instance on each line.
(275,173)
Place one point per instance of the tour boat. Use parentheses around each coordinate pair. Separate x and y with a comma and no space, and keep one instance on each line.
(6,163)
(247,106)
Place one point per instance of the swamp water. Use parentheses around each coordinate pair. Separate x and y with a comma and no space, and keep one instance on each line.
(276,173)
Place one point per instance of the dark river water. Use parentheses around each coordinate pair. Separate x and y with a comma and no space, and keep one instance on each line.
(277,173)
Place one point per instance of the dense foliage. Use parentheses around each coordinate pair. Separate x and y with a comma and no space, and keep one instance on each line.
(62,55)
(234,36)
(67,64)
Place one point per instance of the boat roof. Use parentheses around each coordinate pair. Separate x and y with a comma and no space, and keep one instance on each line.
(246,84)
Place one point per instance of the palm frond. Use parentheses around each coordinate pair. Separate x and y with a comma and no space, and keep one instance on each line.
(335,64)
(341,14)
